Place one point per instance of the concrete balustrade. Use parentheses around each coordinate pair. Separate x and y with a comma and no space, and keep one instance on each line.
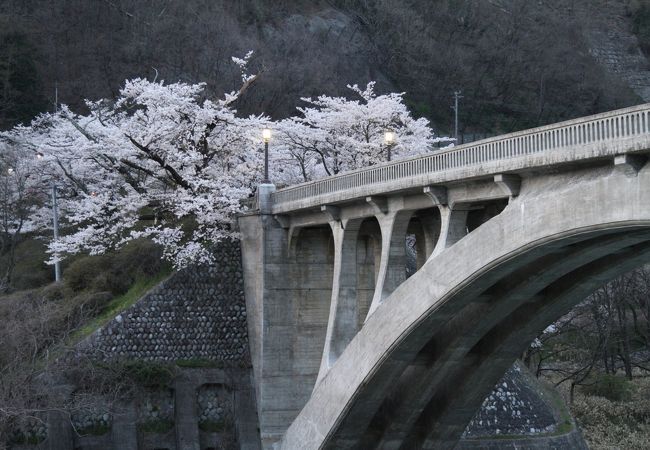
(617,132)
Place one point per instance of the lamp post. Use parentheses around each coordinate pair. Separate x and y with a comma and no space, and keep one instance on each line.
(389,140)
(266,135)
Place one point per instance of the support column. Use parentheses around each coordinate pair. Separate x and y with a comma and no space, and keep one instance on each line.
(186,414)
(59,431)
(342,322)
(392,267)
(431,228)
(453,227)
(420,245)
(248,433)
(288,287)
(123,431)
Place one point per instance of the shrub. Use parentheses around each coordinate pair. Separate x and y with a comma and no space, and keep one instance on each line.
(157,426)
(81,273)
(610,387)
(114,272)
(216,427)
(96,429)
(89,304)
(149,374)
(53,292)
(607,424)
(30,270)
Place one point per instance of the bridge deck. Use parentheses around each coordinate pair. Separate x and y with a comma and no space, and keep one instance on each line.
(603,135)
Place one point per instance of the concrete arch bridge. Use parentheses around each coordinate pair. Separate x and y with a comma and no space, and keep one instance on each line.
(509,232)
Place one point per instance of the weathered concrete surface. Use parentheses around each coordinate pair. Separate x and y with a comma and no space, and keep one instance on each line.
(124,433)
(288,292)
(59,431)
(186,414)
(423,362)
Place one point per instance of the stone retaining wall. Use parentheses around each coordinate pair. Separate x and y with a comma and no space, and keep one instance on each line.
(197,313)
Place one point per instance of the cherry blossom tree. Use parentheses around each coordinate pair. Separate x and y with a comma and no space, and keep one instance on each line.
(163,163)
(159,153)
(20,197)
(335,134)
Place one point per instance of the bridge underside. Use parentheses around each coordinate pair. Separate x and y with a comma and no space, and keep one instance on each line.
(429,353)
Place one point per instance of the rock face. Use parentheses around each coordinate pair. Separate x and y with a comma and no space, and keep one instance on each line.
(613,44)
(197,313)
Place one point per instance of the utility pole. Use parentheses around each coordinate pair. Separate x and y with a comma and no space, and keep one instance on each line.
(56,97)
(55,222)
(457,97)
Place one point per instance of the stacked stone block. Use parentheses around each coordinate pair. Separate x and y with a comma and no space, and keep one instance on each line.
(516,406)
(215,405)
(197,313)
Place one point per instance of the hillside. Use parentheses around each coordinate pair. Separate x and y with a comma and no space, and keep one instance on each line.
(518,63)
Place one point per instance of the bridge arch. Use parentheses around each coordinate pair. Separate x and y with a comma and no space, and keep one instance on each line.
(419,368)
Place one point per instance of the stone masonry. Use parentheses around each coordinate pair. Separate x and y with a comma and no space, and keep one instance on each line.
(197,313)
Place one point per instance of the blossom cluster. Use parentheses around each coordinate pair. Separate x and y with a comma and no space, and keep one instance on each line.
(161,162)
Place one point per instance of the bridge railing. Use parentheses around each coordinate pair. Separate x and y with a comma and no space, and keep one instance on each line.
(610,126)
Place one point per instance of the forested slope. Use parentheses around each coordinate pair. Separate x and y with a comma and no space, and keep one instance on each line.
(519,63)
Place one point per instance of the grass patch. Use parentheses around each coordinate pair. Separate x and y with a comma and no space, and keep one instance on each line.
(26,440)
(118,304)
(566,424)
(197,363)
(149,374)
(215,427)
(97,429)
(156,426)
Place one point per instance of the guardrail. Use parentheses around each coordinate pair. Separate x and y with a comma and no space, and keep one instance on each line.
(603,127)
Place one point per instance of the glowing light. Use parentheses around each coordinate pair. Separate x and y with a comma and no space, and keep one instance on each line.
(266,134)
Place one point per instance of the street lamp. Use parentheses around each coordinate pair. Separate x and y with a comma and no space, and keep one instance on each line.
(266,135)
(389,140)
